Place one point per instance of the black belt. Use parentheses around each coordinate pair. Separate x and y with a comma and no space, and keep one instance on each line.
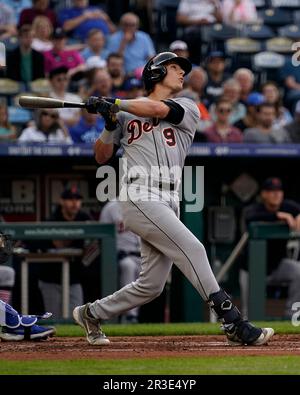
(123,254)
(163,185)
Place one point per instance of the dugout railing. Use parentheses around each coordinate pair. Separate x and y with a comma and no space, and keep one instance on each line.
(259,235)
(63,231)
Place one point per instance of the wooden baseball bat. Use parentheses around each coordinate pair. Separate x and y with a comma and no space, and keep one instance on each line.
(47,102)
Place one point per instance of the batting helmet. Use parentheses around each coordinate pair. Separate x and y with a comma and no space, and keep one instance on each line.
(155,71)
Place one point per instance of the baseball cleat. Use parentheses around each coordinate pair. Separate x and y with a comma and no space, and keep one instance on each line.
(92,328)
(247,334)
(34,332)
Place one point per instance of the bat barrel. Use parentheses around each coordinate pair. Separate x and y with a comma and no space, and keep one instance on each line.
(47,102)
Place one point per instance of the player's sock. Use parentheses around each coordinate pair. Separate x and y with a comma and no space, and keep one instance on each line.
(225,310)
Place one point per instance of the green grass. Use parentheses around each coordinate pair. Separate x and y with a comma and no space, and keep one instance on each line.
(282,327)
(275,365)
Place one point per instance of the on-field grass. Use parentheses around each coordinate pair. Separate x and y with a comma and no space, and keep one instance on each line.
(280,327)
(275,365)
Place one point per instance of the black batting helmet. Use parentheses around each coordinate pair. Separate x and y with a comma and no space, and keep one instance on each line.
(155,71)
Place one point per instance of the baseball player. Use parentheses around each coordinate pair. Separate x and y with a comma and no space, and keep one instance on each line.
(156,133)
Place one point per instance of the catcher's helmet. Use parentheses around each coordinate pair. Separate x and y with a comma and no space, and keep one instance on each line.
(155,71)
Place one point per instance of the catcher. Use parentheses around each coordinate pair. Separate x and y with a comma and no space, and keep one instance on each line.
(14,326)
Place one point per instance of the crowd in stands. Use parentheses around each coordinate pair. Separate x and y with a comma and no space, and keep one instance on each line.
(75,49)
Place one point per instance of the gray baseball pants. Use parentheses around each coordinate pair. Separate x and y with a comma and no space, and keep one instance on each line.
(165,240)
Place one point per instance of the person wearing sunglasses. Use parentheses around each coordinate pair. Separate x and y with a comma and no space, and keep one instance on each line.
(48,128)
(222,131)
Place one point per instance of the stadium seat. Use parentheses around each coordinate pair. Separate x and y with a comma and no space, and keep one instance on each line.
(40,86)
(290,31)
(9,87)
(276,16)
(241,49)
(260,3)
(290,4)
(267,64)
(17,115)
(220,32)
(258,32)
(242,45)
(279,44)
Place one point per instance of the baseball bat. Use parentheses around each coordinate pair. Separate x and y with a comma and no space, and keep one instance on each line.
(47,102)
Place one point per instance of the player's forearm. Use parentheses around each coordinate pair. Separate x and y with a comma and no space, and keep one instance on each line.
(144,107)
(103,150)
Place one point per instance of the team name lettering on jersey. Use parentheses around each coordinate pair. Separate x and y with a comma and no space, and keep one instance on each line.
(136,127)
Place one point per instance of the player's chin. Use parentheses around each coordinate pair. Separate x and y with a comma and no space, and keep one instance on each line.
(177,88)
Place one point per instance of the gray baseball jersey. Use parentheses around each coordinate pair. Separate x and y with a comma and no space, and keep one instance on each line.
(152,143)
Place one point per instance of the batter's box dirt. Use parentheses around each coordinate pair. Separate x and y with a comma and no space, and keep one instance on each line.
(143,347)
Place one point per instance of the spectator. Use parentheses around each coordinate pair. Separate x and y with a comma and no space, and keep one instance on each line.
(221,131)
(254,100)
(291,80)
(24,63)
(192,15)
(231,92)
(39,8)
(42,32)
(134,45)
(215,66)
(129,251)
(95,45)
(68,210)
(59,83)
(237,12)
(100,83)
(7,131)
(115,68)
(8,22)
(133,88)
(180,48)
(272,95)
(273,208)
(48,129)
(265,132)
(196,81)
(87,129)
(81,18)
(18,6)
(245,78)
(60,56)
(293,128)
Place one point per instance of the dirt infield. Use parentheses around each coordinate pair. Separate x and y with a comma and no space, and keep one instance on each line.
(64,348)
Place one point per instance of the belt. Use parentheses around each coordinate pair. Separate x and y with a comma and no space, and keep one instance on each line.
(123,254)
(163,185)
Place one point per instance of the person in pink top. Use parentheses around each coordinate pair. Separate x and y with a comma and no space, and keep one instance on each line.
(239,11)
(59,56)
(222,131)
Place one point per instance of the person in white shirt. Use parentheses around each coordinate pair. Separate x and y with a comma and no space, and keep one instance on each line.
(59,81)
(194,15)
(48,129)
(239,12)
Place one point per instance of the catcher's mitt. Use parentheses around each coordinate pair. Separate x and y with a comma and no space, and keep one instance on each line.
(106,107)
(6,247)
